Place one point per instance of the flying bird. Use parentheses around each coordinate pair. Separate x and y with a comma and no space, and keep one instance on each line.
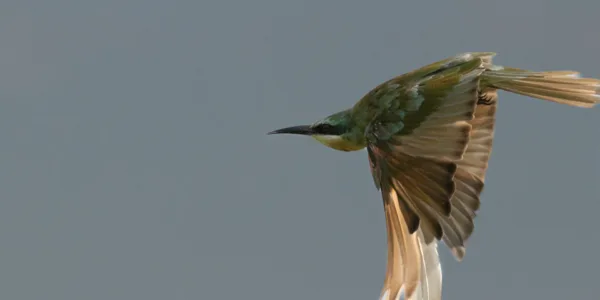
(429,135)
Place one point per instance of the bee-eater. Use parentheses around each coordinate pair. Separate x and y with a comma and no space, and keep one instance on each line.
(429,135)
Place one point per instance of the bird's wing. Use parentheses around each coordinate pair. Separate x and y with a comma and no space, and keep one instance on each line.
(470,174)
(415,148)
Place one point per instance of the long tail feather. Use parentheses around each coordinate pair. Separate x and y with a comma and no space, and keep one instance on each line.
(564,87)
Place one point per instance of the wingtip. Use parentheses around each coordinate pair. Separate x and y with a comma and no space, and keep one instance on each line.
(459,252)
(414,224)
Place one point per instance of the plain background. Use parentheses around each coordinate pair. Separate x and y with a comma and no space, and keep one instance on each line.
(134,162)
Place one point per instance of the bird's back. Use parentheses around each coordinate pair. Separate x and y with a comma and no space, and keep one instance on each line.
(384,95)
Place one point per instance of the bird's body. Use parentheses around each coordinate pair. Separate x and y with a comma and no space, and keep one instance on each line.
(429,135)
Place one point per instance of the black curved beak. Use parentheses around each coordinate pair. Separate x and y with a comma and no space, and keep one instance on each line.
(302,129)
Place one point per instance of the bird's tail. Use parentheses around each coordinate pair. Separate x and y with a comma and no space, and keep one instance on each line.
(564,87)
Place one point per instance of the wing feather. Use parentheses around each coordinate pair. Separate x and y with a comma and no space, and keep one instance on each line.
(428,150)
(440,128)
(470,175)
(413,265)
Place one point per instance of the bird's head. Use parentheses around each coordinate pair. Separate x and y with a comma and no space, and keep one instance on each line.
(337,131)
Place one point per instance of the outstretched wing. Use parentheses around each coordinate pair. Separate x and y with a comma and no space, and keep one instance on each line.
(424,128)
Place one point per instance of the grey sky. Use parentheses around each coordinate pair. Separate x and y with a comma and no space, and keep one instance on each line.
(134,162)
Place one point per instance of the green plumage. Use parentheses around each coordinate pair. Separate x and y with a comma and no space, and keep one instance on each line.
(429,136)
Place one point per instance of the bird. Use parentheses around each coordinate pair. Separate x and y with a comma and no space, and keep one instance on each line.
(428,135)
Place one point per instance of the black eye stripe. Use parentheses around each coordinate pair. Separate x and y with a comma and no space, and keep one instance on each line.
(323,128)
(328,129)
